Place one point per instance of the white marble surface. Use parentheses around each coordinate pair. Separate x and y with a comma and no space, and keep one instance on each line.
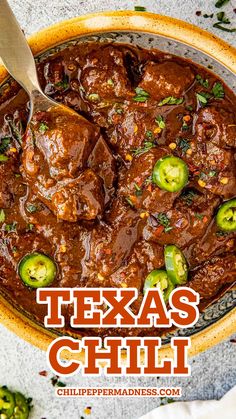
(213,372)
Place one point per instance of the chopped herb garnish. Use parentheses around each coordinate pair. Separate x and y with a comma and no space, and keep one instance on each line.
(110,82)
(10,227)
(183,143)
(221,233)
(212,173)
(185,126)
(203,97)
(3,158)
(138,190)
(4,143)
(198,216)
(32,208)
(64,83)
(221,3)
(204,83)
(60,384)
(140,9)
(218,90)
(149,135)
(2,216)
(129,201)
(43,127)
(160,121)
(16,130)
(119,111)
(189,108)
(56,382)
(171,100)
(164,221)
(147,145)
(141,95)
(222,18)
(223,28)
(188,197)
(30,227)
(93,97)
(207,16)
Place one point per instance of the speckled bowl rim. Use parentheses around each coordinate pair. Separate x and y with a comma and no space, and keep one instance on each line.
(132,22)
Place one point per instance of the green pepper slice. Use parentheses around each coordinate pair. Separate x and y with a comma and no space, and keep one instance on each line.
(226,216)
(176,265)
(159,279)
(170,173)
(37,270)
(21,409)
(7,403)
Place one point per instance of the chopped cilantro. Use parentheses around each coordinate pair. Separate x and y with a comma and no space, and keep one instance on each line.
(64,83)
(32,208)
(198,216)
(2,216)
(203,97)
(222,18)
(189,108)
(164,221)
(223,28)
(218,90)
(140,9)
(207,16)
(110,82)
(171,100)
(10,227)
(204,83)
(149,135)
(141,95)
(30,227)
(4,143)
(138,190)
(183,143)
(147,145)
(3,158)
(188,197)
(160,121)
(212,173)
(43,127)
(221,3)
(94,97)
(129,201)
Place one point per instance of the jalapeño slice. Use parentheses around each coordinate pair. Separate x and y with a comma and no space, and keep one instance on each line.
(226,216)
(176,265)
(159,279)
(170,173)
(7,403)
(37,270)
(21,410)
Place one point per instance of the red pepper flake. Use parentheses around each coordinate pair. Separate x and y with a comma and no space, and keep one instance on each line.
(107,251)
(198,12)
(159,230)
(149,188)
(233,340)
(205,219)
(43,373)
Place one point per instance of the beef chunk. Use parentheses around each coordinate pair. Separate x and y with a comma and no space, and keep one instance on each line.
(53,159)
(60,140)
(144,258)
(112,243)
(161,80)
(213,275)
(103,163)
(216,125)
(212,167)
(137,186)
(212,243)
(183,223)
(104,75)
(81,198)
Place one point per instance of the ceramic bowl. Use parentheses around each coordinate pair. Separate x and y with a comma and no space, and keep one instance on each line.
(173,36)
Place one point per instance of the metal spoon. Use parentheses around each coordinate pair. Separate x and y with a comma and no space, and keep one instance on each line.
(19,62)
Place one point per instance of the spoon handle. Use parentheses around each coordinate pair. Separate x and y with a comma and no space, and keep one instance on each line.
(15,51)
